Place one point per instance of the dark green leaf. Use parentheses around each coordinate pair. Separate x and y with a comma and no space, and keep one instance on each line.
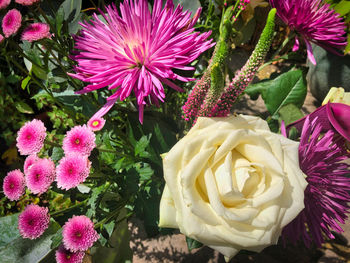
(56,239)
(57,153)
(24,107)
(141,145)
(290,113)
(8,229)
(192,244)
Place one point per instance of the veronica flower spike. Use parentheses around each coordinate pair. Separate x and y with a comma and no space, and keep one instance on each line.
(135,50)
(314,22)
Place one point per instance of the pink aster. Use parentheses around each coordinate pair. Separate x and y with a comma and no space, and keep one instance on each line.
(26,2)
(40,176)
(80,139)
(65,256)
(14,185)
(4,3)
(137,50)
(72,170)
(321,157)
(30,138)
(36,31)
(96,123)
(79,233)
(29,161)
(33,221)
(314,21)
(11,22)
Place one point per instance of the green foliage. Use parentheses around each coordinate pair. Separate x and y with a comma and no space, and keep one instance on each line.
(193,244)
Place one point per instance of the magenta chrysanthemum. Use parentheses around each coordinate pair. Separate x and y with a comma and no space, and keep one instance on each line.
(36,31)
(11,22)
(321,158)
(96,124)
(30,138)
(40,176)
(14,185)
(79,234)
(65,256)
(33,221)
(314,22)
(4,3)
(80,139)
(26,2)
(136,50)
(29,161)
(72,170)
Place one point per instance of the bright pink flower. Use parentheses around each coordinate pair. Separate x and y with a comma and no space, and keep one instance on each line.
(72,170)
(30,138)
(96,124)
(33,221)
(14,185)
(11,22)
(65,256)
(137,50)
(36,32)
(80,139)
(29,161)
(4,3)
(79,233)
(26,2)
(40,176)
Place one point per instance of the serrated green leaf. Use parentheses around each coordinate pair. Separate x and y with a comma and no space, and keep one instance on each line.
(192,244)
(93,200)
(24,107)
(57,153)
(141,145)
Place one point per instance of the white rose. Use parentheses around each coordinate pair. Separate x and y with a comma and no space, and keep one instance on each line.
(232,184)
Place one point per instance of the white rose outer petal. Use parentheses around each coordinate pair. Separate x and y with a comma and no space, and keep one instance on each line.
(232,184)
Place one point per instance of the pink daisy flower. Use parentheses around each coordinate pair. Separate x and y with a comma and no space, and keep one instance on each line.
(26,2)
(11,22)
(65,256)
(33,221)
(40,176)
(36,31)
(137,50)
(314,22)
(14,185)
(29,161)
(79,233)
(4,3)
(96,123)
(80,139)
(72,170)
(30,138)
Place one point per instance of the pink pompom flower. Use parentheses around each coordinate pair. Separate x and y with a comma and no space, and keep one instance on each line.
(26,2)
(65,256)
(14,185)
(72,170)
(80,139)
(79,233)
(29,161)
(40,176)
(30,138)
(96,123)
(11,22)
(36,31)
(33,221)
(4,3)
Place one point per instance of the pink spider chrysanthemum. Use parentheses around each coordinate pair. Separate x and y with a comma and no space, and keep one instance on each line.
(72,170)
(28,162)
(14,185)
(4,3)
(26,2)
(80,139)
(36,31)
(314,21)
(79,233)
(96,124)
(30,138)
(136,50)
(40,176)
(33,221)
(65,256)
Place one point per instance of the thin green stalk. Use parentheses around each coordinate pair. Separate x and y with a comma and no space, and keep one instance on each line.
(68,208)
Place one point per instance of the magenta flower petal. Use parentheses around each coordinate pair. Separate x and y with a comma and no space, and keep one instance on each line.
(30,138)
(136,50)
(65,256)
(11,22)
(26,2)
(79,234)
(96,124)
(4,3)
(29,161)
(40,176)
(338,114)
(33,221)
(36,31)
(14,185)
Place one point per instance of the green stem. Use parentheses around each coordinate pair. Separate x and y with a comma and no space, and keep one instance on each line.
(68,208)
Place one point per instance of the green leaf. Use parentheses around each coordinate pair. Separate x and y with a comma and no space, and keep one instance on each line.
(260,88)
(57,153)
(24,107)
(56,239)
(343,7)
(59,20)
(191,5)
(290,113)
(141,145)
(93,201)
(192,244)
(25,82)
(8,229)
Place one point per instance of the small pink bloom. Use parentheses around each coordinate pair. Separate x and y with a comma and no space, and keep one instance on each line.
(96,124)
(65,256)
(33,221)
(11,22)
(30,138)
(36,32)
(72,170)
(79,233)
(29,161)
(14,185)
(4,3)
(40,176)
(26,2)
(1,38)
(80,139)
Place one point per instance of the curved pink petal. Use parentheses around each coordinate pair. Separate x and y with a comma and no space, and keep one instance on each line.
(338,115)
